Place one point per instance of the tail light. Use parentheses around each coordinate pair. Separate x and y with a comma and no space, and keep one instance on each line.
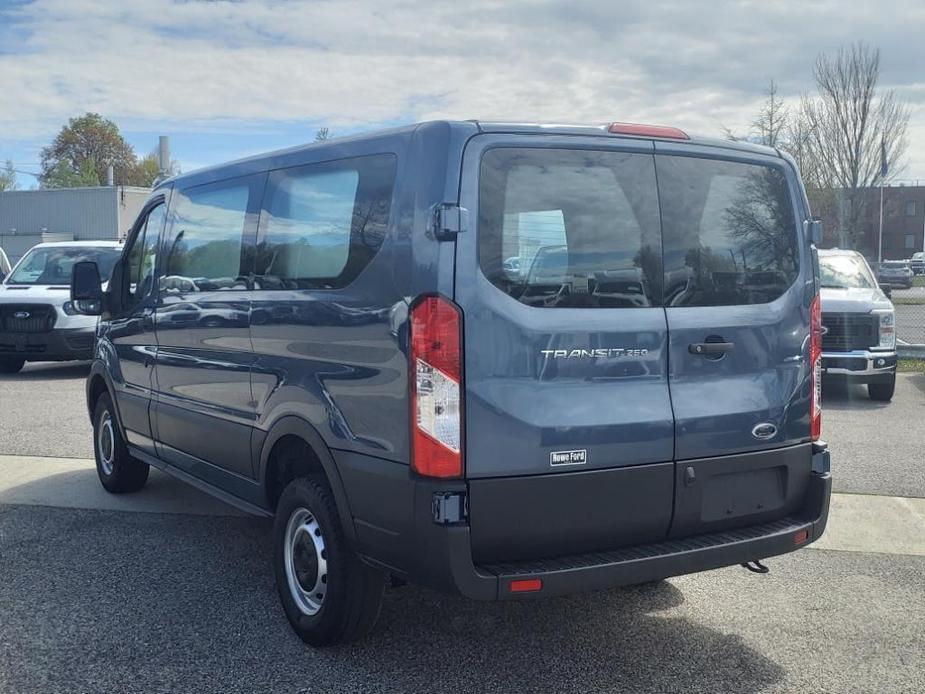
(815,362)
(436,379)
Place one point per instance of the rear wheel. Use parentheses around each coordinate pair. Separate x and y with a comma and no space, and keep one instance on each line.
(328,594)
(118,471)
(882,391)
(11,366)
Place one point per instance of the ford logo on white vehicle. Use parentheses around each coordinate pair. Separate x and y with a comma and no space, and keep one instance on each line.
(22,315)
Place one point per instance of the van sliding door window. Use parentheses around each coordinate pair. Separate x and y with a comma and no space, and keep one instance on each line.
(730,233)
(323,223)
(570,228)
(204,248)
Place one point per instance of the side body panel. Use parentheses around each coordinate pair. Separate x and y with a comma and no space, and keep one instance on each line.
(204,410)
(338,357)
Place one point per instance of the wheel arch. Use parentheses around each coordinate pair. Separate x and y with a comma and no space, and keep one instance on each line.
(294,427)
(98,383)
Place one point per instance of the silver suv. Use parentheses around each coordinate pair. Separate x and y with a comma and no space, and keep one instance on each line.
(859,342)
(37,319)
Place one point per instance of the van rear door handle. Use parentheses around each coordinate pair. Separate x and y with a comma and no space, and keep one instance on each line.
(710,347)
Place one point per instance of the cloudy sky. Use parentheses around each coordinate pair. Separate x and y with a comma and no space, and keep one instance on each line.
(227,78)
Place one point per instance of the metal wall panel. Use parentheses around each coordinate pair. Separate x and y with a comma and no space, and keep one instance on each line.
(83,214)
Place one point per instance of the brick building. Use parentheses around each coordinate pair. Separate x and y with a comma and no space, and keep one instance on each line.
(903,223)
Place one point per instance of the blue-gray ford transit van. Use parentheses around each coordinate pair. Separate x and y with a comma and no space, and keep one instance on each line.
(508,360)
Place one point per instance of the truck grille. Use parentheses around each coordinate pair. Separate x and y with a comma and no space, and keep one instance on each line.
(847,331)
(32,318)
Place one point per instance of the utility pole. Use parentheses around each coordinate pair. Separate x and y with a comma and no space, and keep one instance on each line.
(884,170)
(880,243)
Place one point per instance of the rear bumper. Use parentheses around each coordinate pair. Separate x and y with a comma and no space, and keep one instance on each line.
(54,345)
(443,557)
(861,366)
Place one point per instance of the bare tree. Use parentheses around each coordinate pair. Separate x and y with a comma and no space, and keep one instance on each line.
(770,125)
(839,132)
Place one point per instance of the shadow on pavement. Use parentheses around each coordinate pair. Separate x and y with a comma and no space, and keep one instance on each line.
(50,371)
(109,601)
(838,395)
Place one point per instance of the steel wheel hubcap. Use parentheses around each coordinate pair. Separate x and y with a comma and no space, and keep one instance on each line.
(306,561)
(106,443)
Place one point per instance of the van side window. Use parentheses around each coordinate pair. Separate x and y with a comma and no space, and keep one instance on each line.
(207,237)
(570,228)
(730,233)
(323,223)
(142,257)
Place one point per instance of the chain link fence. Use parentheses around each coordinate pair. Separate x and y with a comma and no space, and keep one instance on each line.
(910,313)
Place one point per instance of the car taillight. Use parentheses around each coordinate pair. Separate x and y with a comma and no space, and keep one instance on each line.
(436,381)
(815,362)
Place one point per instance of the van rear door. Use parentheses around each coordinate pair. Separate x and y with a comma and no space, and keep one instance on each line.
(569,432)
(738,286)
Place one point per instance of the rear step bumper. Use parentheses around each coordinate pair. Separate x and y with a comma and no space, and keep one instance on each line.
(444,557)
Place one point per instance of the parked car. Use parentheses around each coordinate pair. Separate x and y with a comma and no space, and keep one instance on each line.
(4,265)
(443,423)
(917,263)
(895,273)
(859,343)
(38,322)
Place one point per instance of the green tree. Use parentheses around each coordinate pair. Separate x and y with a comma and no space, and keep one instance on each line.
(83,151)
(148,170)
(63,176)
(8,177)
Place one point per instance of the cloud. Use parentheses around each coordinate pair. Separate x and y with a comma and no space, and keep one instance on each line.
(353,63)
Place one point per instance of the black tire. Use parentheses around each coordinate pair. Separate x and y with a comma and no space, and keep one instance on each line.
(882,391)
(118,471)
(11,366)
(349,606)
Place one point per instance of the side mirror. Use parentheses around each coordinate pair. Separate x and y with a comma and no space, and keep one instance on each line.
(87,289)
(887,289)
(813,229)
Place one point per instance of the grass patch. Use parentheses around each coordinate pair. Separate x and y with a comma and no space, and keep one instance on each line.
(911,366)
(918,281)
(908,300)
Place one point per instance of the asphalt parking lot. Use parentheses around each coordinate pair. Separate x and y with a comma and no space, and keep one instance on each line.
(168,590)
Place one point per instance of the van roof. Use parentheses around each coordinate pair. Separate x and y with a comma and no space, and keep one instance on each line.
(472,127)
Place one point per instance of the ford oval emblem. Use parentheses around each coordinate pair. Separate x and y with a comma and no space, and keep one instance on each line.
(764,431)
(22,315)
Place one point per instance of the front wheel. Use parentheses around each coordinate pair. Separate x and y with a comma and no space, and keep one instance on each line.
(882,391)
(118,471)
(11,366)
(329,595)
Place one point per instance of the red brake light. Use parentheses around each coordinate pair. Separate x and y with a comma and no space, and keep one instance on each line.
(815,364)
(436,388)
(647,131)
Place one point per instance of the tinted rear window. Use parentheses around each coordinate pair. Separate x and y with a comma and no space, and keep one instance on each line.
(729,231)
(570,228)
(583,228)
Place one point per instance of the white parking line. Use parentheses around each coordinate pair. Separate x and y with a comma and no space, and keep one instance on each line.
(857,522)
